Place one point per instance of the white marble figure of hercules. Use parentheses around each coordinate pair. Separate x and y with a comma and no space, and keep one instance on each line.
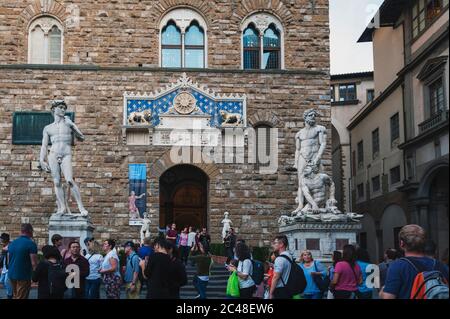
(310,143)
(60,156)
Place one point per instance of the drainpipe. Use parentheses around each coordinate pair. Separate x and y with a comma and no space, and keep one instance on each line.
(406,177)
(350,180)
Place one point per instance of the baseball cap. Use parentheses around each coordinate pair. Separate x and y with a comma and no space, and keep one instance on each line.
(4,236)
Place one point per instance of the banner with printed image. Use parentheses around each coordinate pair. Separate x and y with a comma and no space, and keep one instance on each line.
(137,197)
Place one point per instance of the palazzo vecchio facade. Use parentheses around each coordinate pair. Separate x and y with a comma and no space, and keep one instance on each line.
(130,71)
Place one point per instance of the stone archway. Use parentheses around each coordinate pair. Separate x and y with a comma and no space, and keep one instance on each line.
(436,185)
(183,197)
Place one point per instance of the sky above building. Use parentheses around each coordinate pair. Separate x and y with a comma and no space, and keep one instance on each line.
(348,19)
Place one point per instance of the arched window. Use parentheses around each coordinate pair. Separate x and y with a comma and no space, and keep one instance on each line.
(45,41)
(251,48)
(194,45)
(171,46)
(262,42)
(272,48)
(183,39)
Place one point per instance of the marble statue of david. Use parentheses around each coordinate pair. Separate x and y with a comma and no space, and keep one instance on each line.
(58,162)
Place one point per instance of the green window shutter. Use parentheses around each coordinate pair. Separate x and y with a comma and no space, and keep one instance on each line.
(28,126)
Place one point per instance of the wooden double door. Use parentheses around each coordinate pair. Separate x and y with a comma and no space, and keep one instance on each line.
(184,197)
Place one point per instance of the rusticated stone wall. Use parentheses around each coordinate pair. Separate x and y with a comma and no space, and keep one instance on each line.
(101,55)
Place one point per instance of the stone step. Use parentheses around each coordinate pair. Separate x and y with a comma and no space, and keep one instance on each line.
(213,277)
(184,293)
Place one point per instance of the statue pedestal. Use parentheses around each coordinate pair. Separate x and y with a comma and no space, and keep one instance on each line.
(70,228)
(321,238)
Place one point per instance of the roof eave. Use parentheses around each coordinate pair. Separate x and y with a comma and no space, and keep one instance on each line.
(387,15)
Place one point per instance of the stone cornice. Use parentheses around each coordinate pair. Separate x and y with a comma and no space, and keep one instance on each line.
(86,67)
(322,227)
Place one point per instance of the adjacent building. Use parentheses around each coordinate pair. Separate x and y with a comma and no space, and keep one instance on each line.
(349,93)
(399,141)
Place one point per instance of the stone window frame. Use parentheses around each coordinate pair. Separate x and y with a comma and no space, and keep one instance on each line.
(375,146)
(360,154)
(391,171)
(428,81)
(430,87)
(262,21)
(183,17)
(46,22)
(395,129)
(347,94)
(373,181)
(360,192)
(370,95)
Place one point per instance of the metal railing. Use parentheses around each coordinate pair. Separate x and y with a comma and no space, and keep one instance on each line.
(435,120)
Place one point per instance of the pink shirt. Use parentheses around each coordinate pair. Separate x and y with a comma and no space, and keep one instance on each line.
(184,239)
(348,278)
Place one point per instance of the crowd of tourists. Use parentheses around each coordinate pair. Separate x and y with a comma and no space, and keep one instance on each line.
(159,264)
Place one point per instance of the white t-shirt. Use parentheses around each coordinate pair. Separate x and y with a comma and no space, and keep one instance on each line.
(95,263)
(106,264)
(191,239)
(246,267)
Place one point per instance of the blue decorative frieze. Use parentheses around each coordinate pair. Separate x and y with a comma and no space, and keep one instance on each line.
(184,98)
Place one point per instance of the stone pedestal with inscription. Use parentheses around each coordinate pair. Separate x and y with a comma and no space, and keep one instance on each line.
(321,238)
(70,227)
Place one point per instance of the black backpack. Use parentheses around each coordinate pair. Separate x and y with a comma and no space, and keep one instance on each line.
(296,283)
(56,279)
(258,272)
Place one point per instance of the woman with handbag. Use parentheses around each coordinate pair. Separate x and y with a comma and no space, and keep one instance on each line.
(347,275)
(316,276)
(111,270)
(337,257)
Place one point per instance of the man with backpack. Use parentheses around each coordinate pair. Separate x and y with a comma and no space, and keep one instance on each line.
(50,274)
(288,278)
(133,272)
(415,276)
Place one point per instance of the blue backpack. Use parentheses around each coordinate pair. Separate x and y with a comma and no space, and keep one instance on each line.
(428,284)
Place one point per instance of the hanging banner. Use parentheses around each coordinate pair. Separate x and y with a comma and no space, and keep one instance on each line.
(137,199)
